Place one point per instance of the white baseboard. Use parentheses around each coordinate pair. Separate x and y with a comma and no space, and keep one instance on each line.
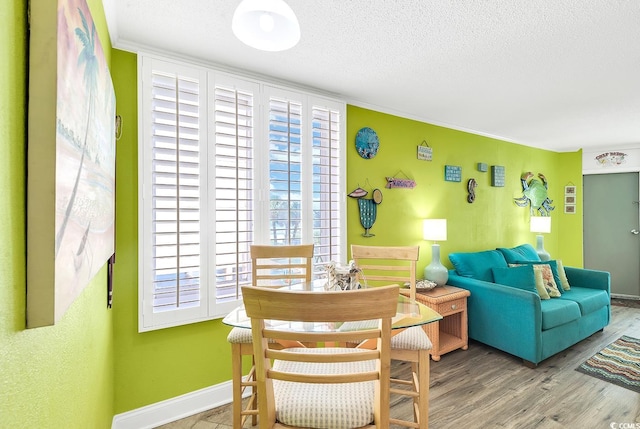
(622,296)
(176,408)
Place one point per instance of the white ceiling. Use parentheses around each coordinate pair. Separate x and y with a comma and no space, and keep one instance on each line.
(554,74)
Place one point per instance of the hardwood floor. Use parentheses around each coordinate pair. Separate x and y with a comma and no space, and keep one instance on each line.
(485,388)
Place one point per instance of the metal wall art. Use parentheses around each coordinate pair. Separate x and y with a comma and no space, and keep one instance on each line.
(367,207)
(535,194)
(471,187)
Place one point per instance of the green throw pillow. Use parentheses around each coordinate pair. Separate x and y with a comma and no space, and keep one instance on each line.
(523,277)
(524,252)
(477,265)
(518,277)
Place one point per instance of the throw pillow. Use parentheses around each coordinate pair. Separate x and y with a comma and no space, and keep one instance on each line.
(477,265)
(518,277)
(563,276)
(524,252)
(554,270)
(548,281)
(542,291)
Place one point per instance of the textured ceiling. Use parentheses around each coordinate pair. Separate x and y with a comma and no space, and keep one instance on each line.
(554,74)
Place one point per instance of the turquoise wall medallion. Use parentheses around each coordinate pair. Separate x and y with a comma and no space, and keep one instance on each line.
(367,143)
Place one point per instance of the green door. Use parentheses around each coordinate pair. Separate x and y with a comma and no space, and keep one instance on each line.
(611,230)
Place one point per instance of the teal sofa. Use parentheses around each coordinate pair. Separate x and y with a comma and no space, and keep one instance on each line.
(511,315)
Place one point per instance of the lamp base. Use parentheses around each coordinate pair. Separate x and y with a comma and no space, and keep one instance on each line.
(542,254)
(435,271)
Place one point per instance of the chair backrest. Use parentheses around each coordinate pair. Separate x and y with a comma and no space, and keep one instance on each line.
(331,307)
(281,265)
(389,264)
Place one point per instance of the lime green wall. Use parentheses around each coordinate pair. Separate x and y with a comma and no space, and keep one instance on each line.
(62,375)
(66,375)
(492,220)
(158,365)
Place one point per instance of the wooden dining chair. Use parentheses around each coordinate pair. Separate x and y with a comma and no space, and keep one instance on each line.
(270,266)
(322,387)
(378,264)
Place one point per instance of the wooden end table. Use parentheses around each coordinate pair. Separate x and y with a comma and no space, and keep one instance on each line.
(451,332)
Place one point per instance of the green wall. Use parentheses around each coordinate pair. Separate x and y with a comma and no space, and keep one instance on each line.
(157,365)
(493,220)
(62,375)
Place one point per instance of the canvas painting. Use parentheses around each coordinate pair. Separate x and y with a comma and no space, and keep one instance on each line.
(80,214)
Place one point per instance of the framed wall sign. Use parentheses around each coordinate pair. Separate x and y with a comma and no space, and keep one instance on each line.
(497,175)
(452,173)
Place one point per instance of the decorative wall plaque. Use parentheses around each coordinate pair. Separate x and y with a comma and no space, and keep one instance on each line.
(497,175)
(452,173)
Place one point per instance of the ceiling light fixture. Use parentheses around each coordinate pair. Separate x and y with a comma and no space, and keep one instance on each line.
(268,25)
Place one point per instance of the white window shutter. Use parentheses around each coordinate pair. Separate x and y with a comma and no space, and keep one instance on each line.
(172,175)
(233,129)
(328,155)
(225,162)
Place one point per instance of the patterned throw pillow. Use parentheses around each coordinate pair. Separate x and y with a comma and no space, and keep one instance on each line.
(542,291)
(548,281)
(563,276)
(554,270)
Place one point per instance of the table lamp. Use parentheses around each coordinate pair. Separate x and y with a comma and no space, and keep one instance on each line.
(541,224)
(435,230)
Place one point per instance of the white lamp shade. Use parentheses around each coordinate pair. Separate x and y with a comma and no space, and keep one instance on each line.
(434,229)
(268,25)
(541,224)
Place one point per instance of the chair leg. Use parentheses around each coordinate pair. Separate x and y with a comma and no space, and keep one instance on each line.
(236,378)
(423,389)
(419,386)
(239,385)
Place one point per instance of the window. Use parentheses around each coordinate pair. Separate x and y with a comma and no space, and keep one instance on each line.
(225,162)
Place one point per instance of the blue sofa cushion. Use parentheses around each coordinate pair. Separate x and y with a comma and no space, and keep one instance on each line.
(524,252)
(477,265)
(518,277)
(554,269)
(589,300)
(556,312)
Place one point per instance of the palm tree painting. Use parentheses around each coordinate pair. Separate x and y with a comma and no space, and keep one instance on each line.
(85,153)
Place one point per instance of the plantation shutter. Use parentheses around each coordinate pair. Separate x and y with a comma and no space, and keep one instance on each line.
(285,171)
(172,228)
(234,186)
(327,186)
(225,162)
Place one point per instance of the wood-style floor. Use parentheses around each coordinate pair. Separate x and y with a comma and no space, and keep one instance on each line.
(485,388)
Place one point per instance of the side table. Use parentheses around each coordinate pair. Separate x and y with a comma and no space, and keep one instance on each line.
(451,332)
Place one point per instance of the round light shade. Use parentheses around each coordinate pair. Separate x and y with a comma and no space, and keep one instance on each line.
(268,25)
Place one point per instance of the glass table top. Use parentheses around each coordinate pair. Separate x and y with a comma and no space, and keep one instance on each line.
(409,313)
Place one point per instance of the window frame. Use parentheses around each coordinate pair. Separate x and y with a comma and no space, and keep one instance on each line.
(209,307)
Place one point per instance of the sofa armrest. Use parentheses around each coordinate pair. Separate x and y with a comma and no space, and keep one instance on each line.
(593,279)
(504,317)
